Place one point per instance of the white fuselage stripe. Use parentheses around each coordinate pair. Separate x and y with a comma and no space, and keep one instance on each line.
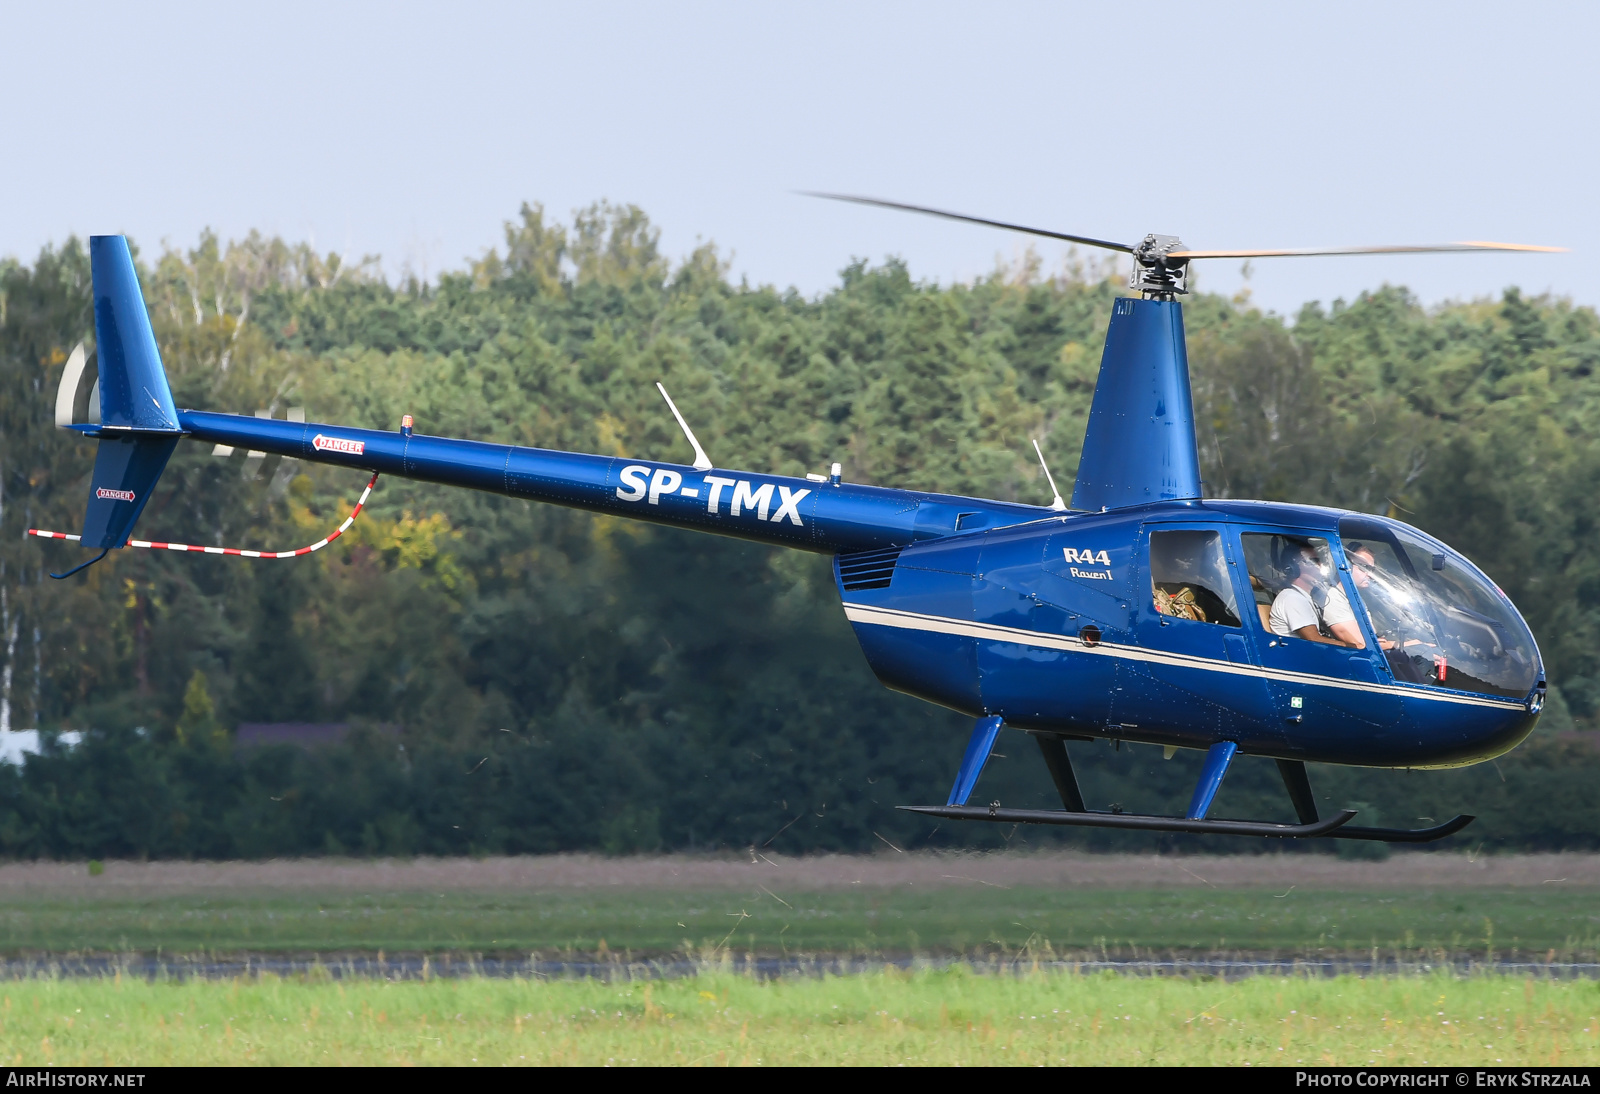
(939,624)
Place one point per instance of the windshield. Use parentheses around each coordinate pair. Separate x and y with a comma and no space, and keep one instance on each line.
(1438,619)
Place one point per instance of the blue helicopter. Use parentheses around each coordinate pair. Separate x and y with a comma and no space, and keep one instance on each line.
(1142,612)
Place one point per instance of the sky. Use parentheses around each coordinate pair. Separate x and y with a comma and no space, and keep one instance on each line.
(414,131)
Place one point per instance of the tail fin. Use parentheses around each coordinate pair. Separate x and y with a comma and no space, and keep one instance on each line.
(138,426)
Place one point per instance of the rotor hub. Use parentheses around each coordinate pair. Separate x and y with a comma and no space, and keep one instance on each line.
(1154,273)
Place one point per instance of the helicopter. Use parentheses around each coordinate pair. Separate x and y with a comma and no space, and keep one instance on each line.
(1141,612)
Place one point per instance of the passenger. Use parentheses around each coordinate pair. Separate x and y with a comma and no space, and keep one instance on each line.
(1306,607)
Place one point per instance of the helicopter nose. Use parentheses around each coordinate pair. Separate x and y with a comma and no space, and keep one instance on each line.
(1500,735)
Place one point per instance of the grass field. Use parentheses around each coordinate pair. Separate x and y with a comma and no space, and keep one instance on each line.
(929,1017)
(877,905)
(713,909)
(893,922)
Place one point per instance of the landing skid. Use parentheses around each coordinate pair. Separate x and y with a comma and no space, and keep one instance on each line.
(1054,750)
(1335,827)
(1406,835)
(1139,821)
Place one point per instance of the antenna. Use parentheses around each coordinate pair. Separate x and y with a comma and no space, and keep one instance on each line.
(1056,503)
(702,462)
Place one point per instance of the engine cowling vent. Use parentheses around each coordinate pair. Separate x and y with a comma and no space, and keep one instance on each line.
(867,569)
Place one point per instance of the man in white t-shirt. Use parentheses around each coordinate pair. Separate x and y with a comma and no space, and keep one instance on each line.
(1294,611)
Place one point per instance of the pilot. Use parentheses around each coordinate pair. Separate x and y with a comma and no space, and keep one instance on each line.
(1305,607)
(1362,563)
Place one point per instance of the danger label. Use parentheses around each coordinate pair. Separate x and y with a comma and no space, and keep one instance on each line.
(113,495)
(338,444)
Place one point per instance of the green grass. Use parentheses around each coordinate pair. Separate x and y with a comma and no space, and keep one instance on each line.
(929,1017)
(899,921)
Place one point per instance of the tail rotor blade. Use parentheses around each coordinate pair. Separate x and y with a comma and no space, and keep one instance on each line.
(67,392)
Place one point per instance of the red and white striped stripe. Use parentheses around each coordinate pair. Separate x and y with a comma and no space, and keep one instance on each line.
(155,546)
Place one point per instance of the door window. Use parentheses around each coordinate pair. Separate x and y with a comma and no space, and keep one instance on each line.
(1297,590)
(1189,577)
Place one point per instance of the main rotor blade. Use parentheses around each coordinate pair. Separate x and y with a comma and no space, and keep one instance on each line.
(1381,249)
(1087,241)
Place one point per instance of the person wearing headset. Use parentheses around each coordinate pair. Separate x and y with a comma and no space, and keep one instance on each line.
(1306,608)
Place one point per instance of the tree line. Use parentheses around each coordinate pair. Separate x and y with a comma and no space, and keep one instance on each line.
(527,678)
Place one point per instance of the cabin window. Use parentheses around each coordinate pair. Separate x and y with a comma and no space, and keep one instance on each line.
(1189,577)
(1297,591)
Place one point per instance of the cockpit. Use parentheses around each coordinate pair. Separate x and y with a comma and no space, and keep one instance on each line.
(1377,586)
(1437,619)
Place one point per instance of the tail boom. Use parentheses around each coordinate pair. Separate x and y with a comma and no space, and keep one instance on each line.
(140,426)
(824,517)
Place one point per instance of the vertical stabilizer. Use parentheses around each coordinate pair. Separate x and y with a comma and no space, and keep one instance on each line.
(1140,443)
(138,426)
(133,385)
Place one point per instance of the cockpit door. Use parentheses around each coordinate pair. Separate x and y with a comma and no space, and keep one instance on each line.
(1322,691)
(1198,671)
